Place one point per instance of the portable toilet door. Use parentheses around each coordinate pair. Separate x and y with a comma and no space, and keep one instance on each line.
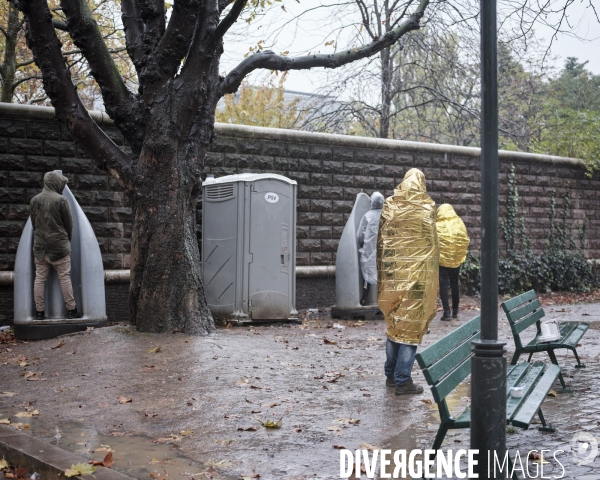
(271,260)
(249,246)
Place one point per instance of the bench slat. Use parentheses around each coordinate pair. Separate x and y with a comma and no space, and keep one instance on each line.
(526,413)
(515,374)
(448,343)
(574,335)
(527,321)
(527,382)
(449,383)
(518,300)
(445,364)
(518,313)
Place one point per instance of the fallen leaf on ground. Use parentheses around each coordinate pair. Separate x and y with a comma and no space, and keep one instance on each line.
(347,420)
(552,393)
(35,413)
(23,364)
(155,349)
(368,446)
(219,463)
(122,399)
(326,341)
(117,434)
(148,414)
(3,464)
(334,428)
(339,447)
(224,442)
(7,394)
(426,401)
(255,411)
(79,469)
(58,345)
(249,429)
(242,382)
(186,433)
(107,462)
(249,477)
(4,421)
(271,423)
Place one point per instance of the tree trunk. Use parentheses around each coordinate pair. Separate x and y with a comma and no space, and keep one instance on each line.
(386,97)
(9,64)
(166,291)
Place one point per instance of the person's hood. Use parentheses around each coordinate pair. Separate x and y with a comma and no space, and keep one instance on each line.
(55,182)
(445,212)
(376,201)
(413,180)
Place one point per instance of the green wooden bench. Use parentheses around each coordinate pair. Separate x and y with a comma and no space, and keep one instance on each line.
(447,363)
(525,310)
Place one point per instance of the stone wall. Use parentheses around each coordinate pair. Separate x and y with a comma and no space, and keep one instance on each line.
(330,171)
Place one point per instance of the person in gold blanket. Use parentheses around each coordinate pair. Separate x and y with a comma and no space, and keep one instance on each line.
(407,266)
(454,242)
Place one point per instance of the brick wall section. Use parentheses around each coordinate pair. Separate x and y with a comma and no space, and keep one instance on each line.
(330,171)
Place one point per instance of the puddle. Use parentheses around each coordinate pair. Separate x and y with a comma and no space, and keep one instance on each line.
(134,455)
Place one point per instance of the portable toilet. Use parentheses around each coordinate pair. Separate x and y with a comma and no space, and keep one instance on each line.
(87,278)
(249,246)
(348,276)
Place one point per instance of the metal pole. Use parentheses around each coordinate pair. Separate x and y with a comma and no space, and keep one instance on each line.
(488,365)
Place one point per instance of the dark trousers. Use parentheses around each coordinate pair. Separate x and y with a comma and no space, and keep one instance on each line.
(449,279)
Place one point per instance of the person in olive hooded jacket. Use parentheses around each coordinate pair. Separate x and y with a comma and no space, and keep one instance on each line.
(52,228)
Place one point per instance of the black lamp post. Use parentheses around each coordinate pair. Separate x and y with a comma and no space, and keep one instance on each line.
(488,370)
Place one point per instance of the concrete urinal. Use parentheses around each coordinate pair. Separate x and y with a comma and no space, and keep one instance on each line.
(87,277)
(348,277)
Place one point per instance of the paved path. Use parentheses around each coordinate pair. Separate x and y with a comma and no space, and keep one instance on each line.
(216,390)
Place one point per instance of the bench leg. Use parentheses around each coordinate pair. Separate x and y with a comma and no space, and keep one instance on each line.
(439,438)
(515,357)
(530,355)
(579,364)
(545,427)
(565,389)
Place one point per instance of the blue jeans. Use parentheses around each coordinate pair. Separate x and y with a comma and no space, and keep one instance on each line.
(399,361)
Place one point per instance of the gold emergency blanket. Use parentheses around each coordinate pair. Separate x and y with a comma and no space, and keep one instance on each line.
(407,260)
(452,237)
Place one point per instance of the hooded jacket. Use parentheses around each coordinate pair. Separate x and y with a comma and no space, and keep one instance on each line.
(51,219)
(408,260)
(367,239)
(452,237)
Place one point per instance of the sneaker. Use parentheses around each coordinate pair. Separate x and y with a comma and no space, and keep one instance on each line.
(73,314)
(446,316)
(408,388)
(39,315)
(455,313)
(389,382)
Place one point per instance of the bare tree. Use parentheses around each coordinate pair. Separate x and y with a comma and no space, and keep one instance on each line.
(169,124)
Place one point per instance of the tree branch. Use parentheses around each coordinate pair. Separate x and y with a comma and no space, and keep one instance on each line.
(269,60)
(175,42)
(229,19)
(46,48)
(120,103)
(60,25)
(24,64)
(134,29)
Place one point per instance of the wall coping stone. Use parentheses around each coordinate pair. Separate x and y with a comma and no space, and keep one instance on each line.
(31,112)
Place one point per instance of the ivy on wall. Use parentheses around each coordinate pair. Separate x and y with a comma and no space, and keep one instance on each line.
(561,266)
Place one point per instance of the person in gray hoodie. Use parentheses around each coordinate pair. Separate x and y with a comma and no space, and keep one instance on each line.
(367,241)
(52,229)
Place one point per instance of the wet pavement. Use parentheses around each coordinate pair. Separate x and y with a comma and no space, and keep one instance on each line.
(197,403)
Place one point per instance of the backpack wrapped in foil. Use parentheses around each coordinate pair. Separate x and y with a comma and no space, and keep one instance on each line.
(452,237)
(407,260)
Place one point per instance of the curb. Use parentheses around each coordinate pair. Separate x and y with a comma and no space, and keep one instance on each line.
(50,462)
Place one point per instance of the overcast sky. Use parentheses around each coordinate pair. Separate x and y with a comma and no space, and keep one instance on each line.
(582,40)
